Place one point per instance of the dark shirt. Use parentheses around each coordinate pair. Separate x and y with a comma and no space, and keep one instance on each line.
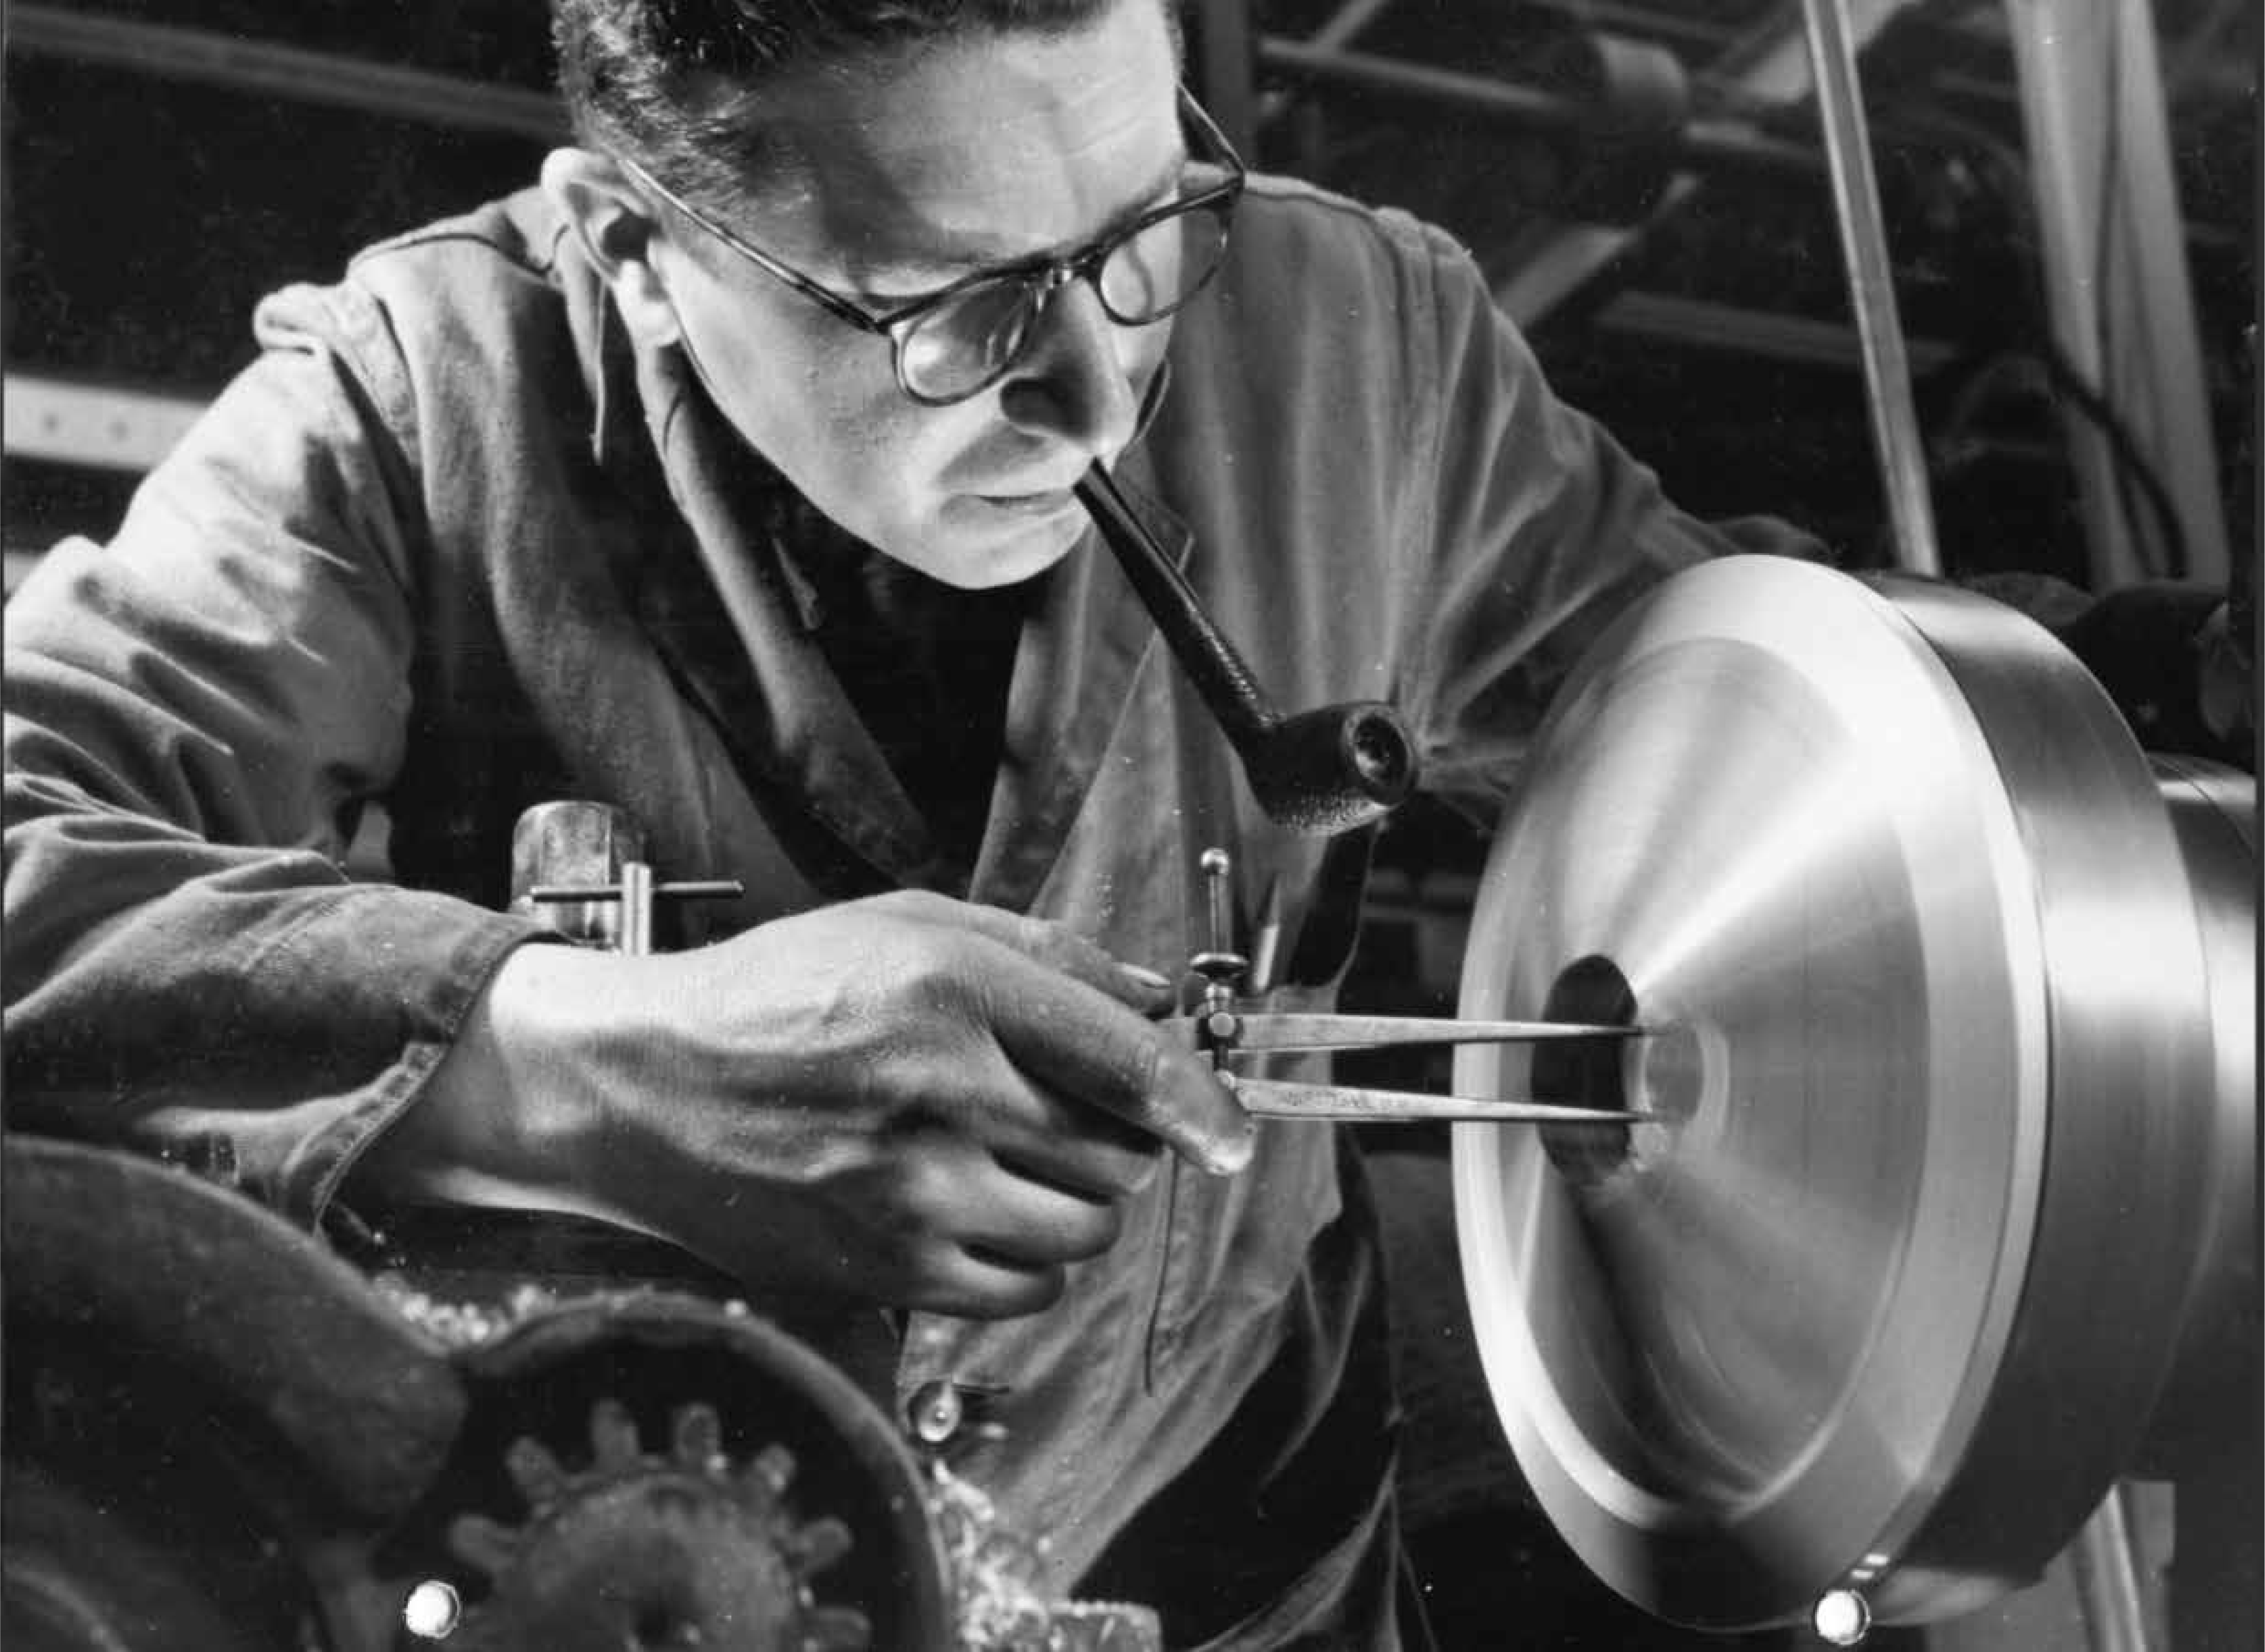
(925,664)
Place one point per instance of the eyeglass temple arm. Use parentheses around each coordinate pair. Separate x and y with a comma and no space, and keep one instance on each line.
(1321,771)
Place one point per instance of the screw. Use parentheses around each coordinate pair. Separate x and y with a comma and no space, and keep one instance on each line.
(1216,867)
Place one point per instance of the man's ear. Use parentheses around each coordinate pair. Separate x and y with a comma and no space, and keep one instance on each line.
(617,229)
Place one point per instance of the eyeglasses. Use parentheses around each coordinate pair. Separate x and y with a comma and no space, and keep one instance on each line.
(961,340)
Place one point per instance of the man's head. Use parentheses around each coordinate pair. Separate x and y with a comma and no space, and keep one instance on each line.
(883,149)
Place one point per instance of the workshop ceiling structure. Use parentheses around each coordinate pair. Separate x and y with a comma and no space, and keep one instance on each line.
(1643,180)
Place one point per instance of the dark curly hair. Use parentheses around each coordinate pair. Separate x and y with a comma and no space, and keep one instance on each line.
(676,84)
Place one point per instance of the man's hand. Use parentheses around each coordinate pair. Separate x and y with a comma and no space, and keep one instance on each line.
(905,1100)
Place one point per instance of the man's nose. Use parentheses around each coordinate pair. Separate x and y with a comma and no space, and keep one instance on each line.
(1074,379)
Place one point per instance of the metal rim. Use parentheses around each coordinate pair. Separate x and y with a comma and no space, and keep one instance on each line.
(1796,1371)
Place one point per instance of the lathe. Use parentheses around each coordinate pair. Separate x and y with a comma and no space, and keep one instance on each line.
(1854,1179)
(1854,1176)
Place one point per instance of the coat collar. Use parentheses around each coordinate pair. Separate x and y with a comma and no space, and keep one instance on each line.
(1073,687)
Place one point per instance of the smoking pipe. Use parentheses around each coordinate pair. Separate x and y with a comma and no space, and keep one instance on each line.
(1320,771)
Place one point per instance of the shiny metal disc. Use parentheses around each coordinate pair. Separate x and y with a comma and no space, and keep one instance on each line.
(1881,1295)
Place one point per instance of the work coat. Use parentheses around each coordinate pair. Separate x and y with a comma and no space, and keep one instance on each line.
(453,545)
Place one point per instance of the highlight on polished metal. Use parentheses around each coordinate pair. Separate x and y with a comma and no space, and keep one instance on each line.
(432,1611)
(1279,1031)
(1284,1098)
(1221,1029)
(1841,1618)
(1896,898)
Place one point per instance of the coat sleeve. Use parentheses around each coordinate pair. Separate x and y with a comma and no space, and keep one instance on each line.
(195,713)
(1532,530)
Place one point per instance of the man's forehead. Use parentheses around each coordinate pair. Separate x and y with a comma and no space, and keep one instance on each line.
(985,148)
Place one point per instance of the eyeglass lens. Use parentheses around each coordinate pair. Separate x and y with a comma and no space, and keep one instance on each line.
(961,345)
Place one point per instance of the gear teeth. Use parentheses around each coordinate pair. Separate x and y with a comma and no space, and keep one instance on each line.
(613,1436)
(696,1439)
(836,1629)
(489,1545)
(534,1471)
(812,1547)
(744,1508)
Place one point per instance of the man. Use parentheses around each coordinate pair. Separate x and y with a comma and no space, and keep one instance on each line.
(671,485)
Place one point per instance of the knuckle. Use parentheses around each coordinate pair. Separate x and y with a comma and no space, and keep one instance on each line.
(921,904)
(1039,1288)
(1048,942)
(924,952)
(929,971)
(905,1215)
(918,1100)
(923,1194)
(1051,941)
(1142,1080)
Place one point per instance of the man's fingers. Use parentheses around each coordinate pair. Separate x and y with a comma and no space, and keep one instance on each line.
(974,1286)
(952,1191)
(1029,1224)
(1087,1150)
(1090,1048)
(1059,948)
(1005,1245)
(1064,1012)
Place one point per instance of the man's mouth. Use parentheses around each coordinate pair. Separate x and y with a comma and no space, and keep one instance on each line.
(1046,502)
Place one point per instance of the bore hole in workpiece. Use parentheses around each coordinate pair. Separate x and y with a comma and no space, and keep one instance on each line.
(1587,1071)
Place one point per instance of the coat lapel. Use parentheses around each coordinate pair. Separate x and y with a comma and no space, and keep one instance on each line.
(1073,687)
(724,615)
(727,620)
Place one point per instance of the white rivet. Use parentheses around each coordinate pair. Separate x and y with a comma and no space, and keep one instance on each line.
(1842,1617)
(432,1610)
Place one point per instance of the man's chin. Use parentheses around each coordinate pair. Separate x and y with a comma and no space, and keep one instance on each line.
(980,549)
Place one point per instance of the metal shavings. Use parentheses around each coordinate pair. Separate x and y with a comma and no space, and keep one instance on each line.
(997,1606)
(460,1324)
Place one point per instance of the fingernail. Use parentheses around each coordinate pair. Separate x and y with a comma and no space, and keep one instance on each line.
(1148,978)
(1231,1153)
(1228,1158)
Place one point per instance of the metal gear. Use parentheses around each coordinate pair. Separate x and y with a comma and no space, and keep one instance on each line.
(639,1550)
